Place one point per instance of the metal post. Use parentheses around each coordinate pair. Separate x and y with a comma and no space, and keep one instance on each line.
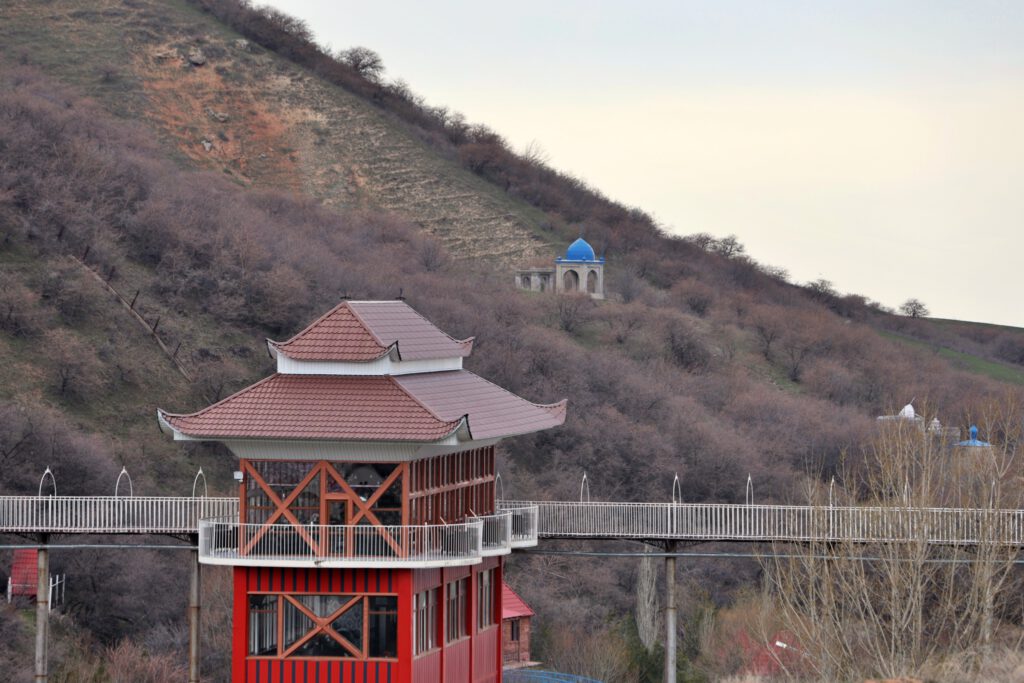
(42,611)
(193,618)
(670,616)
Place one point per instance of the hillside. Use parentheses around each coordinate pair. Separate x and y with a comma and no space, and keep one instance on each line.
(265,122)
(703,363)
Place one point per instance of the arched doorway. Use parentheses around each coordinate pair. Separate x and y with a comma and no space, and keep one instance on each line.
(571,281)
(592,282)
(524,282)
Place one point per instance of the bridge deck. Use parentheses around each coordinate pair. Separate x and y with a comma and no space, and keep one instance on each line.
(721,522)
(591,520)
(110,514)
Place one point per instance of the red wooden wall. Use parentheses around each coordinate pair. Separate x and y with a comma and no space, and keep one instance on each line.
(473,659)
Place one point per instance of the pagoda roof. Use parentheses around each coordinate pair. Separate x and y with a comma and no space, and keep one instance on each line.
(513,606)
(363,331)
(422,408)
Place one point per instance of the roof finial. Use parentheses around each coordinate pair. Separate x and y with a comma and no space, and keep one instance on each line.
(401,294)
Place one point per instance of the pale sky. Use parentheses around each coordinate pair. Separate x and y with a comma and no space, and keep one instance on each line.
(879,145)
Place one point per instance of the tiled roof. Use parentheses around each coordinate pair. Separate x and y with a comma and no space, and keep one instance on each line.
(419,408)
(317,407)
(24,572)
(493,411)
(359,331)
(513,606)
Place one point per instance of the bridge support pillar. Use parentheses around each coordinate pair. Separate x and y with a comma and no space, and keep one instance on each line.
(42,612)
(670,615)
(193,616)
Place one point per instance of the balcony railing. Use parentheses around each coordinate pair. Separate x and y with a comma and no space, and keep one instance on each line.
(956,526)
(226,541)
(497,532)
(109,514)
(524,522)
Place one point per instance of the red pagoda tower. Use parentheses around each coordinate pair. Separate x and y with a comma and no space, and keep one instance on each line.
(369,546)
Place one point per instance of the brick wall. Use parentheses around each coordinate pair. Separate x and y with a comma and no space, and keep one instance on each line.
(513,651)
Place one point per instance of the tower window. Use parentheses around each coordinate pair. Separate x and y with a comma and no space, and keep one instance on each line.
(456,626)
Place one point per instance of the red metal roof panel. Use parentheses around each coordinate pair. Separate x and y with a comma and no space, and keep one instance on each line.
(338,335)
(25,572)
(360,331)
(493,411)
(334,408)
(513,606)
(417,338)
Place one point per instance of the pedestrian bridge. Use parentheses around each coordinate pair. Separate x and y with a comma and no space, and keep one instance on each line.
(652,522)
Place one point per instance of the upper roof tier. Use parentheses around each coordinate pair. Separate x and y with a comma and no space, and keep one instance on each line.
(365,331)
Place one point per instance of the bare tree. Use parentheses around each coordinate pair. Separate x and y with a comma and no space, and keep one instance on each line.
(365,61)
(859,610)
(914,308)
(729,246)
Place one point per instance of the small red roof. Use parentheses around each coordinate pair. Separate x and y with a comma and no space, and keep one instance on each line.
(360,331)
(419,408)
(513,606)
(24,572)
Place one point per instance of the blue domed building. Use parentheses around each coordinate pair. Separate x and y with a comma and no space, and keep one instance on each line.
(579,271)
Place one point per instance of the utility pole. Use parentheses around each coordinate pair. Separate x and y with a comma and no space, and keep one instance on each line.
(42,609)
(193,614)
(670,614)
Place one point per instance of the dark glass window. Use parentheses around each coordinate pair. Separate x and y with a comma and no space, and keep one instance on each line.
(383,624)
(426,620)
(456,616)
(350,625)
(514,630)
(337,630)
(485,599)
(263,625)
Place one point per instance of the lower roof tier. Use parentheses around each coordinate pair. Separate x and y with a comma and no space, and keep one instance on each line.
(449,407)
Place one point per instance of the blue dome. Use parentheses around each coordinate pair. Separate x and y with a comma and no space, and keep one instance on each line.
(580,250)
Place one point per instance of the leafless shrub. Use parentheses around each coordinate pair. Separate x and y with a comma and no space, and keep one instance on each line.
(909,606)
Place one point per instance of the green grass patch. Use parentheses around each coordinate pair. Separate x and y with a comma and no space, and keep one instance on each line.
(965,361)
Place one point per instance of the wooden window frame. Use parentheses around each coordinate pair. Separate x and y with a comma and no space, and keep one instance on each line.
(323,625)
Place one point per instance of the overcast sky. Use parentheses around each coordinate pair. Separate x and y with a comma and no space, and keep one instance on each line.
(879,145)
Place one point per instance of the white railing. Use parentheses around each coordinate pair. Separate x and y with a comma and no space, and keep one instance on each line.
(226,541)
(524,522)
(497,534)
(109,514)
(963,526)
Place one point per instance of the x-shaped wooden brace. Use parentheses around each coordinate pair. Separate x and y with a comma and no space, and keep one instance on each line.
(323,625)
(363,509)
(282,506)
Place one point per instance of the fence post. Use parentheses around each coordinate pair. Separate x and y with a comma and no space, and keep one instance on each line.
(42,610)
(193,614)
(670,614)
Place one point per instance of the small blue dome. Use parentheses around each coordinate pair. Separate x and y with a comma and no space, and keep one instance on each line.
(580,250)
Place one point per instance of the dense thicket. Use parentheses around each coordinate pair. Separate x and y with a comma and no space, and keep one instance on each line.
(703,365)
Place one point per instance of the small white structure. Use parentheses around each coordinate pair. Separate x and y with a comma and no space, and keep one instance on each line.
(579,271)
(908,414)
